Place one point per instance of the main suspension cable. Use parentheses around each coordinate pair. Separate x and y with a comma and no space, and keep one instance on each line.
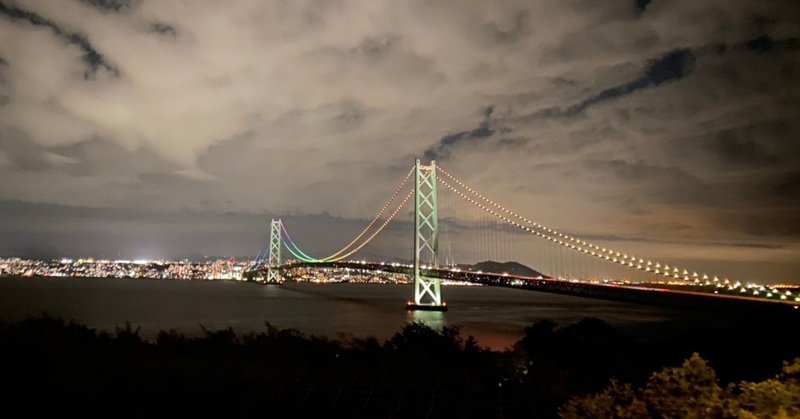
(386,222)
(559,238)
(581,245)
(385,207)
(295,250)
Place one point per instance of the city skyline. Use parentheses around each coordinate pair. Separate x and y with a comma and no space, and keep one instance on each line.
(149,130)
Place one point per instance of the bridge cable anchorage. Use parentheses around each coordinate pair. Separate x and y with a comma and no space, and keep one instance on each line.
(573,243)
(295,250)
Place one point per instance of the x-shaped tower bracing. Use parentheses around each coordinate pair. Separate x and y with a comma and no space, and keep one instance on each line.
(427,290)
(274,260)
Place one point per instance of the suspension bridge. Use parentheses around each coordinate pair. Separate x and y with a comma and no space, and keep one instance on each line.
(483,229)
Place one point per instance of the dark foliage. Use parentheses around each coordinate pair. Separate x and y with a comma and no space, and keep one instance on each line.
(693,391)
(58,367)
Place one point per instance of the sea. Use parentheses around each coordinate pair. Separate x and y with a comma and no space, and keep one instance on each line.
(496,317)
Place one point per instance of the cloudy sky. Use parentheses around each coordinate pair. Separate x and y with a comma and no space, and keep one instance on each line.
(177,128)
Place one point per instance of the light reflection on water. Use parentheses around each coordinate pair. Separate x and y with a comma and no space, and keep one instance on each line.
(434,319)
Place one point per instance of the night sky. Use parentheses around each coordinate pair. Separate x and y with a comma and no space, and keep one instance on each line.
(178,128)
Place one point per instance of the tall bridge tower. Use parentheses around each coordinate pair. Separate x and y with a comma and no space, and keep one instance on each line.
(427,290)
(274,260)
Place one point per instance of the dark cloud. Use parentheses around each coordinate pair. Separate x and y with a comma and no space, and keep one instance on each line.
(51,231)
(377,48)
(672,227)
(4,98)
(669,67)
(745,165)
(518,30)
(780,189)
(765,44)
(116,6)
(162,28)
(672,66)
(22,155)
(658,185)
(771,223)
(761,161)
(46,230)
(93,59)
(94,157)
(447,143)
(668,226)
(84,159)
(755,146)
(351,115)
(385,56)
(641,5)
(639,171)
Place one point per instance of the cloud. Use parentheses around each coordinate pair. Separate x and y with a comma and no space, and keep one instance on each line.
(670,67)
(94,60)
(450,141)
(116,6)
(605,118)
(641,5)
(164,29)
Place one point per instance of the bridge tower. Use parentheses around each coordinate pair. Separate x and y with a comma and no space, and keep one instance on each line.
(427,290)
(274,260)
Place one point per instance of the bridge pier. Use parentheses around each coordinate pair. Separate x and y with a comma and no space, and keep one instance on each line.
(274,260)
(427,290)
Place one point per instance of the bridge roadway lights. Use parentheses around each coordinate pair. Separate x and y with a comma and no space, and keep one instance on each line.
(412,306)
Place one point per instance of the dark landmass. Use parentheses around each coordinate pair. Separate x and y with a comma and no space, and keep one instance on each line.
(511,268)
(58,367)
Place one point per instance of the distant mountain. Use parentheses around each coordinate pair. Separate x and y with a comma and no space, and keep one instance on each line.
(511,268)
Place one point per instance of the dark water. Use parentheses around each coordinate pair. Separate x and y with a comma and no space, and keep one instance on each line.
(495,316)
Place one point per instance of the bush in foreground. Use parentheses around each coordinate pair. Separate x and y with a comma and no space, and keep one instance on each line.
(693,391)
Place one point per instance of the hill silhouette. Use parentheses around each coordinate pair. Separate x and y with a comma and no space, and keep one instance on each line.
(511,268)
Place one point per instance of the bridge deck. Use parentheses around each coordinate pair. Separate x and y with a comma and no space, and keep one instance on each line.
(639,294)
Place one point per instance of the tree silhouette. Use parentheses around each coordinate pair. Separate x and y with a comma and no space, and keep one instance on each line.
(689,391)
(693,391)
(615,401)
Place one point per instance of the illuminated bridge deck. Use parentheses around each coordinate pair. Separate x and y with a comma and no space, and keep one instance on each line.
(639,294)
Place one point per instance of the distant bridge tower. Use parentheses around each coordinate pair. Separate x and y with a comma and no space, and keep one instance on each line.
(274,260)
(427,290)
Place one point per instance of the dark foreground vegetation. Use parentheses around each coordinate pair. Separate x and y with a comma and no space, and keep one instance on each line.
(693,391)
(50,366)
